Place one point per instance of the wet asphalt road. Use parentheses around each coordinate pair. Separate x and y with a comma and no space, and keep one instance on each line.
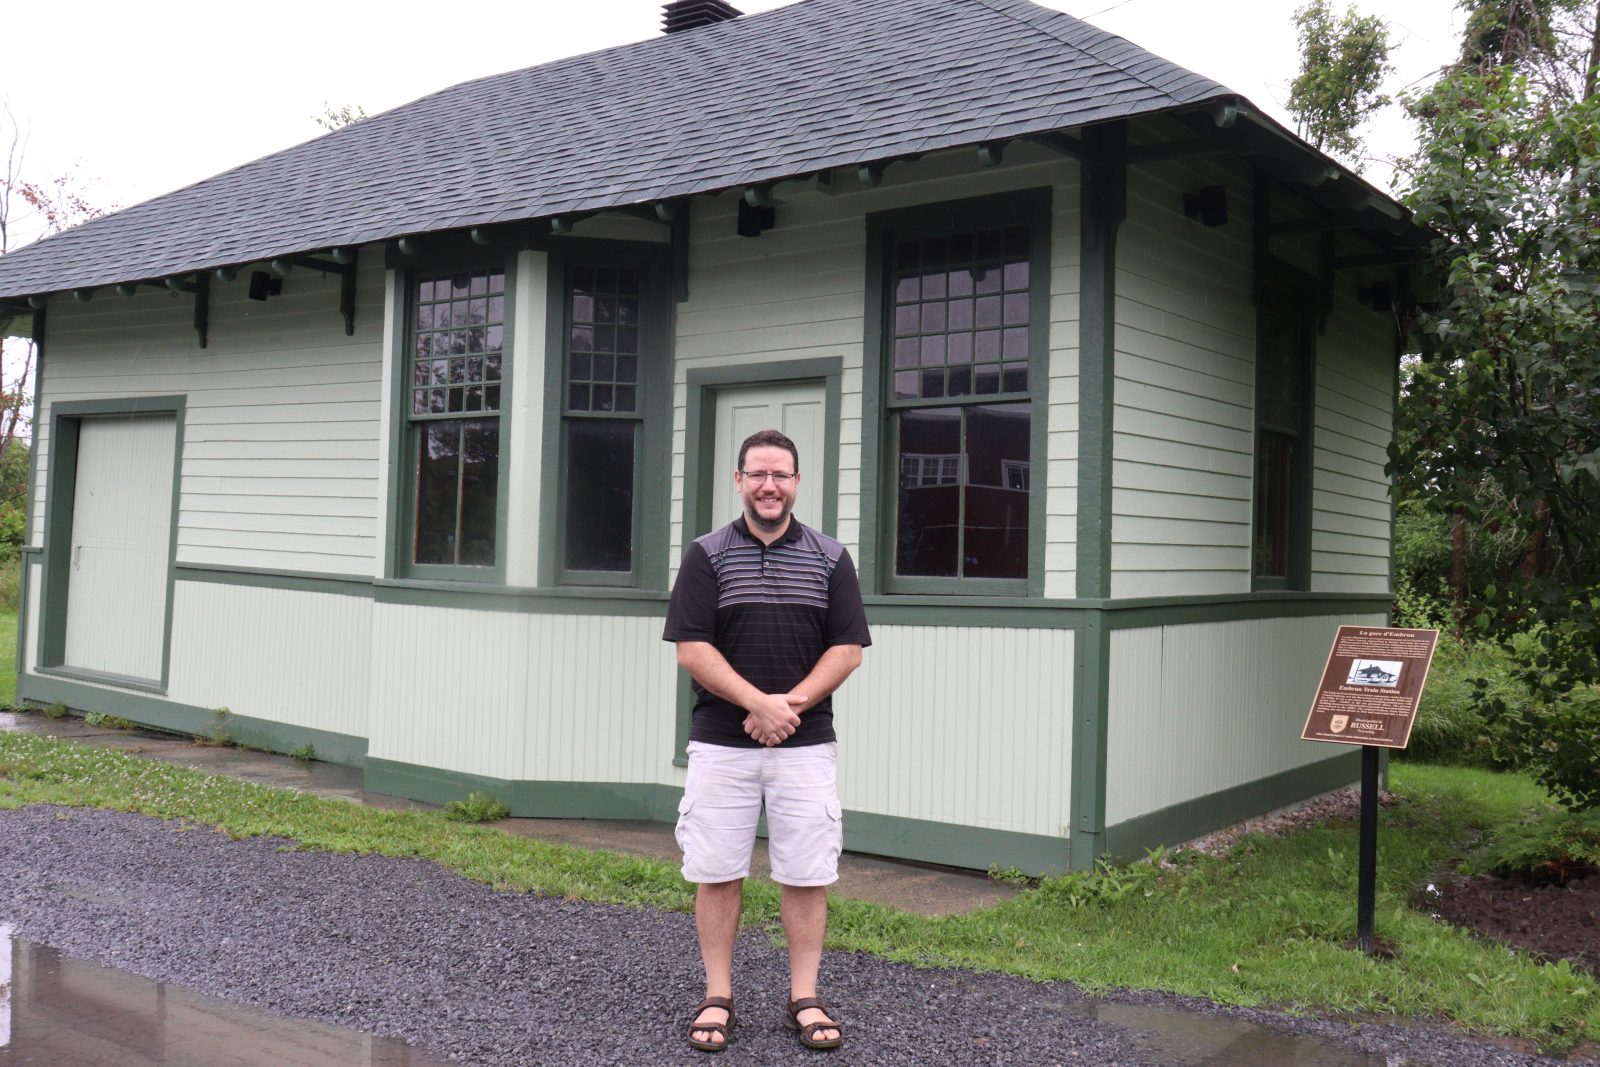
(405,949)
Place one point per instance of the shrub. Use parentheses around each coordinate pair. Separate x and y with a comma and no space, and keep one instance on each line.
(478,807)
(1452,725)
(1550,846)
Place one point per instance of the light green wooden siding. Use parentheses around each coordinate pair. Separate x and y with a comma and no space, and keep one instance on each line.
(1061,480)
(525,441)
(1354,419)
(1198,709)
(542,697)
(291,657)
(963,725)
(797,291)
(1183,434)
(281,444)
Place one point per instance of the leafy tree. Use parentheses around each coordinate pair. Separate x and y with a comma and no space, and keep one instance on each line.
(1500,421)
(1342,63)
(48,207)
(337,118)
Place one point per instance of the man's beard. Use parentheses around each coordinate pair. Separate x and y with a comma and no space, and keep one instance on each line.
(767,524)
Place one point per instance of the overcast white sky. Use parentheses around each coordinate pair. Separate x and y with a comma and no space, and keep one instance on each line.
(143,99)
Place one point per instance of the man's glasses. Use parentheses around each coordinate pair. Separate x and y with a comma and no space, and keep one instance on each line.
(778,477)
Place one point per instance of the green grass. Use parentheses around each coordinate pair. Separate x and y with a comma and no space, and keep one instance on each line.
(8,661)
(1266,925)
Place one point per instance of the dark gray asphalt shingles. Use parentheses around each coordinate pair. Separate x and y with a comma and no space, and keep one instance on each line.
(819,83)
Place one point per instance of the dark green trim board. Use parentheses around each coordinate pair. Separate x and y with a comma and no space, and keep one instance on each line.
(1091,703)
(271,578)
(1103,208)
(648,603)
(652,466)
(879,835)
(168,715)
(527,799)
(879,496)
(65,422)
(700,464)
(397,286)
(1130,839)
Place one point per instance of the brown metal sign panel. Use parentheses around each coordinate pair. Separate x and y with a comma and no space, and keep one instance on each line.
(1371,686)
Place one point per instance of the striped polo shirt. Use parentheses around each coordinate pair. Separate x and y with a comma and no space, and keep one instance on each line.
(772,611)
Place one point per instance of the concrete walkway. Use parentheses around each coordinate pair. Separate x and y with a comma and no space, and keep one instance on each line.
(918,888)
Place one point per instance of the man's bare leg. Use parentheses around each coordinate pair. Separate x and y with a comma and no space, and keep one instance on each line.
(716,919)
(805,924)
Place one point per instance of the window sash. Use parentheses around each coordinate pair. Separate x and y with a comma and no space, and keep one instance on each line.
(1280,550)
(486,309)
(1029,208)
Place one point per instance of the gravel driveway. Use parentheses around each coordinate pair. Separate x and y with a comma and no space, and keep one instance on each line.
(405,949)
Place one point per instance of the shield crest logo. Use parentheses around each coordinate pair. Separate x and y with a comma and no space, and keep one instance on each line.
(1338,723)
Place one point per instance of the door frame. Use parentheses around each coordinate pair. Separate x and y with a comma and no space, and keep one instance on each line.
(700,439)
(66,419)
(701,426)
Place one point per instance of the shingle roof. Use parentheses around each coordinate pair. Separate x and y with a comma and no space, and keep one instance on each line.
(821,83)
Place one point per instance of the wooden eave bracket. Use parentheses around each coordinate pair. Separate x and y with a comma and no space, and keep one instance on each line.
(201,287)
(347,284)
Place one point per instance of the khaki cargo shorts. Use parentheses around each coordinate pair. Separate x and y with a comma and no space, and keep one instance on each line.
(722,803)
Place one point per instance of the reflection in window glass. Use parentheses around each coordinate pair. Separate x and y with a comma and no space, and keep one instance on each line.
(602,417)
(1284,353)
(457,328)
(961,338)
(599,498)
(963,491)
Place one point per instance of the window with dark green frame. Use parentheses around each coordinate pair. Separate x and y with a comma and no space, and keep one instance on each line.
(1285,352)
(960,333)
(602,423)
(456,347)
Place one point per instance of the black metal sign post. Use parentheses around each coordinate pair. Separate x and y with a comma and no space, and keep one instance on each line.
(1367,875)
(1368,696)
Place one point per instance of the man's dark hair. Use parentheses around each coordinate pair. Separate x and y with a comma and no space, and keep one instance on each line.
(768,439)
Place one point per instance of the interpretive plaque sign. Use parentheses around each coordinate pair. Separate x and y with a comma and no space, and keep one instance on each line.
(1371,686)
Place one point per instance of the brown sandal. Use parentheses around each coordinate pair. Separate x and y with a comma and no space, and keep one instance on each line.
(808,1031)
(725,1029)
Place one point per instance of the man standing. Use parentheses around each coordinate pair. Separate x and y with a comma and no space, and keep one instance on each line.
(768,620)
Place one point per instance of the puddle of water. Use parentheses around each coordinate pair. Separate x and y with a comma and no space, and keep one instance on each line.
(1184,1039)
(59,1012)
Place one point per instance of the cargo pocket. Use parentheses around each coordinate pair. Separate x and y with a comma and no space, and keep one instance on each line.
(836,828)
(681,831)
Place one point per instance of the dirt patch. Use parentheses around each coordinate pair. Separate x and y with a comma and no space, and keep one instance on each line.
(1555,921)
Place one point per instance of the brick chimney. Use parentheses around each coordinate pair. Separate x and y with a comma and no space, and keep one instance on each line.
(681,15)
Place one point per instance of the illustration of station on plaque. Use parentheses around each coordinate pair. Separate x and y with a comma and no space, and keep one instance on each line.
(1371,686)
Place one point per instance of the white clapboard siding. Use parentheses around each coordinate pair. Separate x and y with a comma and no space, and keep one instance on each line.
(1201,708)
(282,414)
(535,697)
(292,657)
(798,292)
(1350,505)
(964,725)
(1184,393)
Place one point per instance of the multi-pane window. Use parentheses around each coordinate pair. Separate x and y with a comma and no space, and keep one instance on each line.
(960,337)
(1283,414)
(456,367)
(602,418)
